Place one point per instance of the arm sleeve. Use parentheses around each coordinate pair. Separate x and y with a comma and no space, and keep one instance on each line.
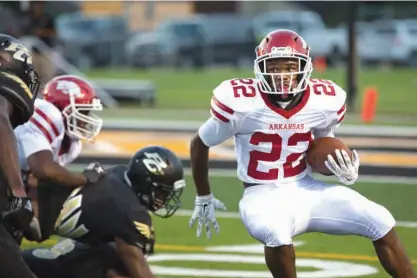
(224,121)
(214,132)
(319,133)
(39,133)
(32,140)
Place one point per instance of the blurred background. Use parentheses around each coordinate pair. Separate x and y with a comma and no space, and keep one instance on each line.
(155,63)
(174,53)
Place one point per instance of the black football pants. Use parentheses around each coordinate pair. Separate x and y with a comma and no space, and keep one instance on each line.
(12,264)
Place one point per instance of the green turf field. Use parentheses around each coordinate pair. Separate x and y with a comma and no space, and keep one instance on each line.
(192,89)
(318,255)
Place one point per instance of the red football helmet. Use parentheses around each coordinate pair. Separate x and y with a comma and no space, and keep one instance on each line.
(77,99)
(288,45)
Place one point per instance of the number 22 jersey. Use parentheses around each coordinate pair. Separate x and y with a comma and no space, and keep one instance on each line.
(271,142)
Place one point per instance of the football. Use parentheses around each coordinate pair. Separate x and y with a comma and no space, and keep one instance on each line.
(320,148)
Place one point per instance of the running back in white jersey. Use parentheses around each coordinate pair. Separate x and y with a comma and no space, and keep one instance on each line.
(45,131)
(271,142)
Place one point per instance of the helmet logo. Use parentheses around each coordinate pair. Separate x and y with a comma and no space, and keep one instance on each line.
(69,88)
(20,52)
(281,50)
(154,163)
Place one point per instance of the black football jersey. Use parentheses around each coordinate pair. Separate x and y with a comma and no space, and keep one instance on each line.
(96,213)
(19,95)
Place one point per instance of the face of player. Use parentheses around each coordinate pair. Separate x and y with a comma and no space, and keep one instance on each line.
(160,198)
(165,200)
(83,123)
(283,74)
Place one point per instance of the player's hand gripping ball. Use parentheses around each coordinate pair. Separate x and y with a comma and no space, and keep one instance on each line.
(320,148)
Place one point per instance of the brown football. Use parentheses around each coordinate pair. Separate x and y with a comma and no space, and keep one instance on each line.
(320,148)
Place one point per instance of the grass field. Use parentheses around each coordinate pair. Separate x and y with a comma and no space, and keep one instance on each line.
(180,254)
(192,89)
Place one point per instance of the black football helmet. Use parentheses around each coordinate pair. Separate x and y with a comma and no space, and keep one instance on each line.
(16,59)
(156,175)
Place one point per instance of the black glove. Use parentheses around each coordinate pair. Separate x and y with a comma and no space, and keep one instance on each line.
(18,216)
(94,172)
(17,234)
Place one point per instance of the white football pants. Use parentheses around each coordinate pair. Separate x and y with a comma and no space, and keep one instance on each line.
(274,214)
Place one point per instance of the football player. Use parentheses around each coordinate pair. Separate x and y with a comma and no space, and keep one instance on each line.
(273,119)
(115,209)
(52,137)
(19,85)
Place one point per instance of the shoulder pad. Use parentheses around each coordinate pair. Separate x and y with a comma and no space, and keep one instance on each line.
(330,97)
(234,96)
(47,119)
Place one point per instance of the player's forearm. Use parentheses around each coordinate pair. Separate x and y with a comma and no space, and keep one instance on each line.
(199,166)
(9,161)
(55,172)
(133,259)
(136,269)
(111,273)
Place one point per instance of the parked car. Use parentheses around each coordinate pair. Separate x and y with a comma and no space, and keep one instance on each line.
(92,41)
(193,42)
(363,28)
(390,41)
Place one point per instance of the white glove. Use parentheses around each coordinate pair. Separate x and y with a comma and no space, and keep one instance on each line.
(346,170)
(204,211)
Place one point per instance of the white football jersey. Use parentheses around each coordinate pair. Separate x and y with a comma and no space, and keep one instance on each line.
(45,131)
(270,142)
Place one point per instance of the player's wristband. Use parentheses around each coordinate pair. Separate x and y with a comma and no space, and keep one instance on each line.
(204,198)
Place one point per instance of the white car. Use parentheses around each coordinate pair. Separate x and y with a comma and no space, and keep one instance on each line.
(392,41)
